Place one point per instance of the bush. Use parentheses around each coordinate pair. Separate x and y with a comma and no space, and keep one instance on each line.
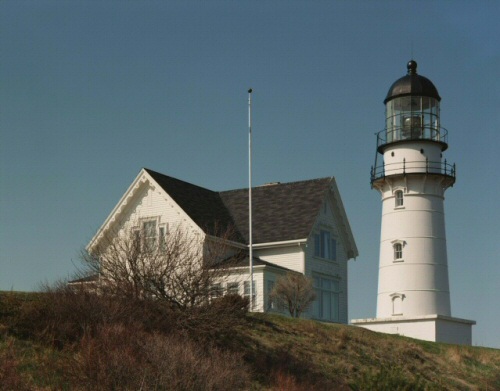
(215,320)
(123,344)
(10,378)
(64,315)
(125,358)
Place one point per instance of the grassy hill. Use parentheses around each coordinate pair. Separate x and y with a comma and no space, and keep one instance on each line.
(265,352)
(333,356)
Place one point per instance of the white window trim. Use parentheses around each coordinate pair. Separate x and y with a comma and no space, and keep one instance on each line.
(403,192)
(162,239)
(403,244)
(395,296)
(246,292)
(140,229)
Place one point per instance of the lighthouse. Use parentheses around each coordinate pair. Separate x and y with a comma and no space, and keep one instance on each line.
(412,175)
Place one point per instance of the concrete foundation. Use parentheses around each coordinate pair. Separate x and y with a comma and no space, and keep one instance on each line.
(435,328)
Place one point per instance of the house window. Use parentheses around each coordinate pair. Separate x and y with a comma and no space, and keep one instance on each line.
(326,305)
(246,291)
(325,246)
(399,198)
(233,288)
(216,291)
(271,304)
(162,232)
(137,238)
(149,232)
(398,251)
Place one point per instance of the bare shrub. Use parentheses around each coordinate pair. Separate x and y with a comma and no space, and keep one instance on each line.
(10,377)
(295,291)
(186,366)
(125,358)
(65,314)
(13,306)
(179,269)
(214,320)
(177,273)
(109,359)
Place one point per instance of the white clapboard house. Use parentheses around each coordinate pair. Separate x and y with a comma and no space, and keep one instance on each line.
(299,226)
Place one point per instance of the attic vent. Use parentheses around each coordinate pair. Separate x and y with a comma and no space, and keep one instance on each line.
(270,184)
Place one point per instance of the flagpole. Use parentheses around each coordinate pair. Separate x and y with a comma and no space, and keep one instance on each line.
(250,243)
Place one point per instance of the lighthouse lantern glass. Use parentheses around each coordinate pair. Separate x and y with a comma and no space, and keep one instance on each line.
(412,117)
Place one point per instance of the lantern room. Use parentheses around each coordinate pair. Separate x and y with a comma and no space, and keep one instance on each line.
(412,111)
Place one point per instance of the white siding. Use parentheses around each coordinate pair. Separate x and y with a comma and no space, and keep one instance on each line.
(240,276)
(290,257)
(261,276)
(150,202)
(337,269)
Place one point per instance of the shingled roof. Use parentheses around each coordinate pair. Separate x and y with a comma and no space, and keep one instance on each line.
(204,206)
(281,211)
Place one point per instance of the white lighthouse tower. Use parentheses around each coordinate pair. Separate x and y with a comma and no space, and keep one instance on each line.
(412,177)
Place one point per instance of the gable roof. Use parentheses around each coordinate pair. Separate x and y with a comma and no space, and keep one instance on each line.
(204,206)
(280,212)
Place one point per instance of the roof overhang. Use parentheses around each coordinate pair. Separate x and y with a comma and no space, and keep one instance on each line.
(284,243)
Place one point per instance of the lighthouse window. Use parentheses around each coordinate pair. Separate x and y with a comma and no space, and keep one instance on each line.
(325,246)
(398,251)
(397,304)
(399,198)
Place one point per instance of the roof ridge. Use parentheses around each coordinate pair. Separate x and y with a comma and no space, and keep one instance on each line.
(149,171)
(271,185)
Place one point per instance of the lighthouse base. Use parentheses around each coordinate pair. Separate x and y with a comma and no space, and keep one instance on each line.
(435,328)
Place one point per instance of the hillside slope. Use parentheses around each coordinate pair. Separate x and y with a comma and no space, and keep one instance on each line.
(264,352)
(326,356)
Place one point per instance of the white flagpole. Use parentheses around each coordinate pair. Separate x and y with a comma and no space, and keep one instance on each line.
(250,244)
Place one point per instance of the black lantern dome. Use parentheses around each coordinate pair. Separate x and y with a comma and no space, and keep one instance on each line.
(412,84)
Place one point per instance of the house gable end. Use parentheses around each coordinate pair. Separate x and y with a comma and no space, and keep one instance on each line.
(332,217)
(144,198)
(341,217)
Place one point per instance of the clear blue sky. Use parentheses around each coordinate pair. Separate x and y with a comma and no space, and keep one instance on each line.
(91,91)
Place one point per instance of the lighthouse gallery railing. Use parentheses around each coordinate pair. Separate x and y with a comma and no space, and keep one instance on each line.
(402,134)
(413,133)
(414,167)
